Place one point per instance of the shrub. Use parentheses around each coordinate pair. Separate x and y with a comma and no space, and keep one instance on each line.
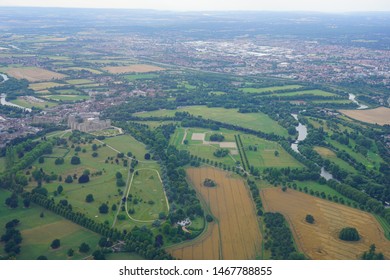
(349,234)
(309,219)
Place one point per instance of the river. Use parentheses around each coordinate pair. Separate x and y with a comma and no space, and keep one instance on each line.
(3,100)
(352,97)
(302,134)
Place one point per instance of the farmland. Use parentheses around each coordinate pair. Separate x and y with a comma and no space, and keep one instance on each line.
(379,115)
(38,232)
(42,86)
(256,121)
(314,92)
(320,240)
(32,74)
(136,68)
(235,233)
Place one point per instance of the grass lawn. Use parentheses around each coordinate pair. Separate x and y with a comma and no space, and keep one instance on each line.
(255,121)
(330,155)
(148,198)
(267,89)
(265,155)
(38,233)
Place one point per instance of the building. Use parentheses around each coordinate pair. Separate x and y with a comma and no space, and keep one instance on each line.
(87,122)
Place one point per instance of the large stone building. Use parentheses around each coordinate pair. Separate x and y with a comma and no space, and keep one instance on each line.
(87,122)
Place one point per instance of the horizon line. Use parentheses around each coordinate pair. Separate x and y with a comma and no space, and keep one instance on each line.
(200,11)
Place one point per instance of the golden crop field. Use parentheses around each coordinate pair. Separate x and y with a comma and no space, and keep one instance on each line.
(33,74)
(136,68)
(379,115)
(320,240)
(235,234)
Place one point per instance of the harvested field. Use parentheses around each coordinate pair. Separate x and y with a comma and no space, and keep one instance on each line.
(198,136)
(136,68)
(379,115)
(320,240)
(33,74)
(235,234)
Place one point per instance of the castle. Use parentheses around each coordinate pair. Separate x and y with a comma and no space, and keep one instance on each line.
(87,122)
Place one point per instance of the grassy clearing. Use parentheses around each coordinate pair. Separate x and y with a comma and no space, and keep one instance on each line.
(38,233)
(330,155)
(148,198)
(265,155)
(255,121)
(267,89)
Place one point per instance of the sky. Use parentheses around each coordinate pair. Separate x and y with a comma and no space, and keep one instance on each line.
(215,5)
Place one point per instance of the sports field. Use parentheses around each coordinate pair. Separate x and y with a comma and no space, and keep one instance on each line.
(320,240)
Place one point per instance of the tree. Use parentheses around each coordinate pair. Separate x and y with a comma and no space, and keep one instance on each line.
(209,183)
(60,189)
(118,175)
(147,156)
(12,201)
(113,207)
(349,234)
(75,160)
(310,219)
(70,252)
(84,179)
(158,241)
(68,179)
(284,188)
(89,198)
(84,248)
(94,147)
(209,218)
(371,254)
(59,161)
(42,258)
(276,153)
(41,160)
(103,209)
(95,154)
(104,242)
(98,255)
(56,243)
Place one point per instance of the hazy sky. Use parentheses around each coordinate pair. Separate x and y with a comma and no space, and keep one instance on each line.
(190,5)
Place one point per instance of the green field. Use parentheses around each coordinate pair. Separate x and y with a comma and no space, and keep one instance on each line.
(68,97)
(255,121)
(154,124)
(127,143)
(68,92)
(79,81)
(140,76)
(315,92)
(38,233)
(343,101)
(265,155)
(205,150)
(2,164)
(267,89)
(29,104)
(330,155)
(148,198)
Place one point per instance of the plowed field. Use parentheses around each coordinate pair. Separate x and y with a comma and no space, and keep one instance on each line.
(235,234)
(320,240)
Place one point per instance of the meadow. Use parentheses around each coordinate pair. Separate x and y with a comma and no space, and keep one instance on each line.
(38,232)
(268,89)
(255,121)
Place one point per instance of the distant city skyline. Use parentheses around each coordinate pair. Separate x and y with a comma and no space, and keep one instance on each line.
(214,5)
